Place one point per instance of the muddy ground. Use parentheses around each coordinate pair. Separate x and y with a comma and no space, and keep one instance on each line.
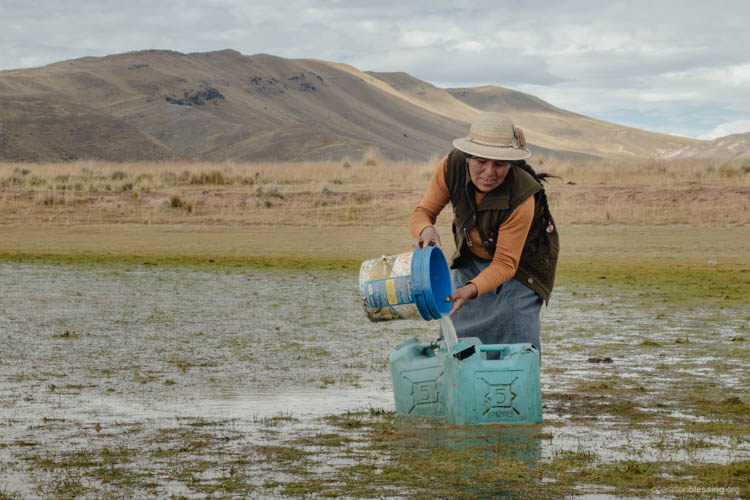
(135,379)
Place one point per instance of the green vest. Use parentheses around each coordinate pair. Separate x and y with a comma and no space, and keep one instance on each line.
(536,268)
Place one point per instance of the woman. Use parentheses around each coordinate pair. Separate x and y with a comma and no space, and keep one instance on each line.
(506,241)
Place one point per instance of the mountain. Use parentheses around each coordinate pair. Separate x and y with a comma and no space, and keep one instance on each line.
(211,106)
(563,130)
(223,105)
(735,147)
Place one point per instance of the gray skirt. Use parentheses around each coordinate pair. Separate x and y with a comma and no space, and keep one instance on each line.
(506,315)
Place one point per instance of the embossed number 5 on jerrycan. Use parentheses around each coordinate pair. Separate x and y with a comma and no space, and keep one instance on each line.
(502,390)
(408,285)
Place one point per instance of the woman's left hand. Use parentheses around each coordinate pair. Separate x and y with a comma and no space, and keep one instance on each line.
(461,296)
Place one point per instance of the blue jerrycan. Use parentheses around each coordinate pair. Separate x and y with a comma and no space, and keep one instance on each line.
(504,389)
(417,375)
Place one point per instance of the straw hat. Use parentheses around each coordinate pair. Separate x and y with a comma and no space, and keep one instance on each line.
(493,135)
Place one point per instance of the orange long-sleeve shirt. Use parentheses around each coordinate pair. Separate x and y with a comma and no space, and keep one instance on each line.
(511,234)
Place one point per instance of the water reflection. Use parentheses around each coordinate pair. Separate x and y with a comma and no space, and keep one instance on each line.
(522,443)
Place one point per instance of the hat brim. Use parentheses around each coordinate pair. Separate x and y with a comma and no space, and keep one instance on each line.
(491,152)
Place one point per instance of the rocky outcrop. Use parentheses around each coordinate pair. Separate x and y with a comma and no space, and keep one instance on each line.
(196,97)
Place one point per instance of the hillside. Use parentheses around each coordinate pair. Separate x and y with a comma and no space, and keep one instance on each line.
(165,105)
(35,129)
(216,106)
(563,130)
(735,147)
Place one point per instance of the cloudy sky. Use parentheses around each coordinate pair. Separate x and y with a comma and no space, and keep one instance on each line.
(679,67)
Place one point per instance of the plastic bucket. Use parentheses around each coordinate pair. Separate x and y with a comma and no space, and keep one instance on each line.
(407,285)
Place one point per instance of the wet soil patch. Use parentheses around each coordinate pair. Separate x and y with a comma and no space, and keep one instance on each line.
(193,379)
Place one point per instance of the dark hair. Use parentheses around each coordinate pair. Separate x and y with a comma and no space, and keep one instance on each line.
(541,195)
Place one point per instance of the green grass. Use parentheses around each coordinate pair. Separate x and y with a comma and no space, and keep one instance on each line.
(658,282)
(293,263)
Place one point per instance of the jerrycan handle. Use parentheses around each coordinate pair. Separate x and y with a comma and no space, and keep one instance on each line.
(502,350)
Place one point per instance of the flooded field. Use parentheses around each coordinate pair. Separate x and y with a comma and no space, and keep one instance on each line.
(132,380)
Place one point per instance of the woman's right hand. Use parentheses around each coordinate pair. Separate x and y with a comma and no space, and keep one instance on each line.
(428,238)
(462,296)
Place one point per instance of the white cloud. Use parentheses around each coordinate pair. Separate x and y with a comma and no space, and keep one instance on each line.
(740,75)
(418,38)
(734,127)
(369,27)
(470,46)
(732,75)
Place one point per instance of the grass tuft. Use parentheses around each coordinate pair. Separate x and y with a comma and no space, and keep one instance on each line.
(175,201)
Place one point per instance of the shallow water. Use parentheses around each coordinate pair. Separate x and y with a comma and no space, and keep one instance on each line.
(123,345)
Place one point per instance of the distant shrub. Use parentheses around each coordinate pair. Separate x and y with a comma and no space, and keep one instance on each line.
(361,197)
(370,157)
(270,192)
(214,177)
(733,170)
(175,201)
(13,180)
(50,198)
(144,177)
(35,180)
(247,181)
(169,178)
(118,175)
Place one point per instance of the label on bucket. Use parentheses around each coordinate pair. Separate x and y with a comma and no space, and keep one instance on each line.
(390,299)
(385,287)
(398,311)
(390,291)
(385,267)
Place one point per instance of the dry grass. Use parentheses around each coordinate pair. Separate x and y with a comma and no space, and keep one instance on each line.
(370,192)
(642,192)
(651,173)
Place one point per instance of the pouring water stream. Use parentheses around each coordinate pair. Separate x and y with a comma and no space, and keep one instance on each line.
(449,331)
